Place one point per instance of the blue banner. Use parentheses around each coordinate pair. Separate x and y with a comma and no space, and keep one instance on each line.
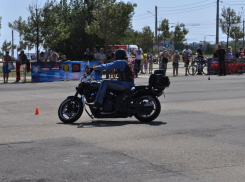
(233,66)
(72,70)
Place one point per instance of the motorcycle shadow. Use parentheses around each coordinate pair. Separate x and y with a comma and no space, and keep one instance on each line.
(112,123)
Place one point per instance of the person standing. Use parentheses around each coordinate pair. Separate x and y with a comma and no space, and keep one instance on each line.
(151,64)
(22,59)
(200,52)
(101,57)
(164,59)
(6,59)
(187,54)
(94,53)
(88,56)
(176,59)
(138,53)
(200,57)
(42,58)
(145,63)
(229,54)
(110,58)
(221,57)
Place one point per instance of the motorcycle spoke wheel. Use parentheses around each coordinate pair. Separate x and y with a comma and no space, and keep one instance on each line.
(152,108)
(69,112)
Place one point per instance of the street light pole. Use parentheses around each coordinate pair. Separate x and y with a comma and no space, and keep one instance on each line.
(156,41)
(217,25)
(243,29)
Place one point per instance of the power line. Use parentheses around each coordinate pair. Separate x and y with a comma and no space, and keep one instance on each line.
(188,11)
(183,5)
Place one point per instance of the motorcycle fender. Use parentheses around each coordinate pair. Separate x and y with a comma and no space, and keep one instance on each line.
(82,98)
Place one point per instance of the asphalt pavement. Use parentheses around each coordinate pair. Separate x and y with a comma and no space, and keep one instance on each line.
(199,135)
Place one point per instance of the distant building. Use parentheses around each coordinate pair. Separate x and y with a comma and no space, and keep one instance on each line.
(169,44)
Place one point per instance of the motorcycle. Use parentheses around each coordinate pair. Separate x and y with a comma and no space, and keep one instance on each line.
(141,101)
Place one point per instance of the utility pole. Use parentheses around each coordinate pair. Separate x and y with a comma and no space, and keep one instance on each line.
(243,29)
(12,51)
(156,41)
(217,25)
(37,35)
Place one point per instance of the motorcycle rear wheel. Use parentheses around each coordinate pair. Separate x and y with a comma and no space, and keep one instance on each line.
(156,108)
(69,112)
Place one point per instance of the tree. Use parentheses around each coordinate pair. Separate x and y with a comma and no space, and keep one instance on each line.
(179,35)
(209,49)
(146,39)
(164,28)
(7,46)
(229,20)
(51,29)
(0,23)
(111,21)
(236,33)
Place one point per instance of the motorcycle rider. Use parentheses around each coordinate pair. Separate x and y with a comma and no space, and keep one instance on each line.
(125,77)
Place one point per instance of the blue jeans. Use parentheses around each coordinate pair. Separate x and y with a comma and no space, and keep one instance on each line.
(137,66)
(112,84)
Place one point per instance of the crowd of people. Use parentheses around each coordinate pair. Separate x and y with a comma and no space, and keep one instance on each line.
(142,63)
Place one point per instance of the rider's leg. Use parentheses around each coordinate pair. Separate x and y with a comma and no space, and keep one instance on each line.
(112,84)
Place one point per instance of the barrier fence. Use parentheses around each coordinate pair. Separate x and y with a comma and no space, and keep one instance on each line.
(233,66)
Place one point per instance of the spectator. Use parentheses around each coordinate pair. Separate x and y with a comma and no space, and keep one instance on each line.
(187,54)
(221,56)
(64,59)
(215,54)
(94,53)
(88,56)
(101,57)
(150,64)
(22,59)
(176,59)
(6,71)
(239,52)
(87,49)
(145,63)
(138,53)
(42,58)
(110,58)
(200,52)
(164,59)
(229,53)
(241,55)
(53,57)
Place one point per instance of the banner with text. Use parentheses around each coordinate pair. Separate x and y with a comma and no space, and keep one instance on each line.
(72,70)
(233,66)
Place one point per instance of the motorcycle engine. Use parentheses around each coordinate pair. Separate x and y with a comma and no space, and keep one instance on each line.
(108,106)
(120,104)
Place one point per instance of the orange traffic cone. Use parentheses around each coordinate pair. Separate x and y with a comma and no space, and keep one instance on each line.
(37,111)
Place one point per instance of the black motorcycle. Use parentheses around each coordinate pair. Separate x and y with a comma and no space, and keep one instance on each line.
(141,101)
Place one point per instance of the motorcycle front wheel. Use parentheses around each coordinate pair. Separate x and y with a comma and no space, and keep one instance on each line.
(70,111)
(152,110)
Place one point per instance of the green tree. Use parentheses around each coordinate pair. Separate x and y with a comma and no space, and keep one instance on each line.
(146,39)
(111,21)
(7,46)
(51,28)
(236,33)
(209,49)
(179,35)
(229,19)
(164,28)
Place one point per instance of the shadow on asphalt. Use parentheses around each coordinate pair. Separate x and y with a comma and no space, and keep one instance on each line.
(112,123)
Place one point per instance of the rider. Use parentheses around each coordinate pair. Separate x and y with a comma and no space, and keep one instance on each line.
(125,77)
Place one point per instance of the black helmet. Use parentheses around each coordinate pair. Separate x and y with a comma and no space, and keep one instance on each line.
(120,54)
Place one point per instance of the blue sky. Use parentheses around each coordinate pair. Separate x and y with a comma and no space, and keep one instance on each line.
(189,12)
